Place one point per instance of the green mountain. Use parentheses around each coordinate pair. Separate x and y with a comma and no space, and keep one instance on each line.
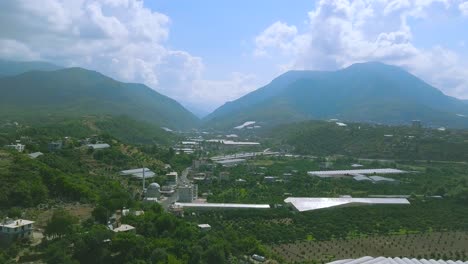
(76,92)
(11,68)
(366,92)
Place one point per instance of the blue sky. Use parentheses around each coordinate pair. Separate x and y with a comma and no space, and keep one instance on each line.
(204,53)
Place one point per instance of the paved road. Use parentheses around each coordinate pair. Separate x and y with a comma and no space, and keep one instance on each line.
(183,177)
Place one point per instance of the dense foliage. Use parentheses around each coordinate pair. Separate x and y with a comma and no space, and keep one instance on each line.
(373,141)
(75,92)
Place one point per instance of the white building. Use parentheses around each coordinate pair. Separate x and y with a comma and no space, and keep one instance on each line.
(153,191)
(19,147)
(139,173)
(98,146)
(309,204)
(335,173)
(387,260)
(172,178)
(380,179)
(124,228)
(221,206)
(35,155)
(230,162)
(187,193)
(12,229)
(204,227)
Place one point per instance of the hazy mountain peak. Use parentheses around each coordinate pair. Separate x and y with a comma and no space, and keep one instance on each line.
(369,92)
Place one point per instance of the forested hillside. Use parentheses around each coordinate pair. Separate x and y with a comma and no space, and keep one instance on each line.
(76,92)
(372,141)
(364,92)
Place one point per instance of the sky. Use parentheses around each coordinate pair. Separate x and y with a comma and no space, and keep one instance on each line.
(207,52)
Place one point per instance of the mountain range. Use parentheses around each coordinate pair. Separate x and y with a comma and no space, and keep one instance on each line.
(36,90)
(365,92)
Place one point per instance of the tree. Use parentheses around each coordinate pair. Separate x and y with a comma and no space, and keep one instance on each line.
(61,224)
(100,214)
(56,253)
(214,255)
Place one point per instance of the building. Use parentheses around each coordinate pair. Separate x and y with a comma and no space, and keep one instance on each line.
(360,177)
(308,204)
(187,193)
(124,228)
(55,145)
(139,173)
(172,178)
(380,179)
(35,155)
(18,147)
(204,227)
(270,179)
(224,175)
(167,190)
(98,146)
(387,260)
(184,150)
(416,124)
(153,191)
(258,258)
(230,162)
(220,206)
(15,229)
(341,173)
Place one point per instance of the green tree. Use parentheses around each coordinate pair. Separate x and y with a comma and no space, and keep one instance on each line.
(61,224)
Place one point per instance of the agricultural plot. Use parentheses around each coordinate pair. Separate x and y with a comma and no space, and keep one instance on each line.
(436,245)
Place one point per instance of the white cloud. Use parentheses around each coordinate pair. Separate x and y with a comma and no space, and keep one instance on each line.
(120,38)
(342,32)
(463,8)
(279,35)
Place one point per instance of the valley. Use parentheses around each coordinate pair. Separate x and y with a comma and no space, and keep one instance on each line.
(101,171)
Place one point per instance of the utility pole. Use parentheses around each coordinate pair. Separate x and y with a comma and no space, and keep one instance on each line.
(143,178)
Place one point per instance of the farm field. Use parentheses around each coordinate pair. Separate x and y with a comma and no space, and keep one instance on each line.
(434,245)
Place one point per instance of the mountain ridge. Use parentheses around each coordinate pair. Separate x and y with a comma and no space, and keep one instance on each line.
(78,91)
(365,92)
(11,68)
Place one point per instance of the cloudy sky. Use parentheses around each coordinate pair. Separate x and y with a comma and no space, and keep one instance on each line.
(204,53)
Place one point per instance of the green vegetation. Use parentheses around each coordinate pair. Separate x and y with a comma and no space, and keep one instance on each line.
(372,141)
(122,128)
(366,92)
(160,238)
(76,92)
(431,245)
(76,174)
(11,68)
(282,227)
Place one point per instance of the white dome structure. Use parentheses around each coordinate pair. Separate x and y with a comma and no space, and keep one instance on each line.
(153,191)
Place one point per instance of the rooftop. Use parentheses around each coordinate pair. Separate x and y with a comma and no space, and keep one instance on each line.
(380,178)
(309,204)
(359,171)
(385,260)
(203,226)
(228,161)
(99,146)
(123,228)
(35,155)
(128,172)
(224,205)
(9,223)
